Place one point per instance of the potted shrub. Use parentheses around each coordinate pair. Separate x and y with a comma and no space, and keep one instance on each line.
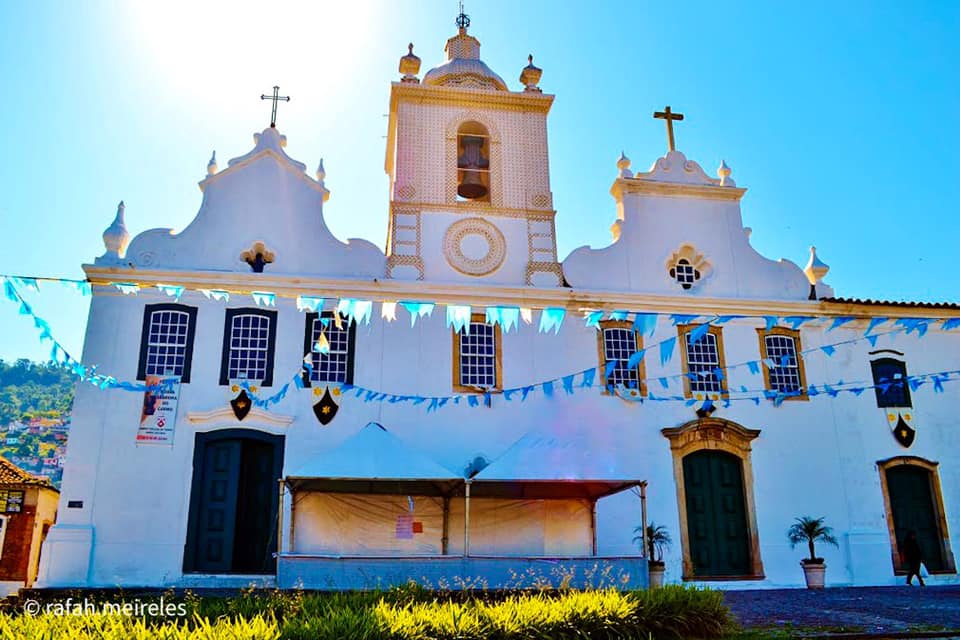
(811,530)
(658,539)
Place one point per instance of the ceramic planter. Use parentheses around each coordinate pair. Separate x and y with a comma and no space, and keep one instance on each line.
(814,574)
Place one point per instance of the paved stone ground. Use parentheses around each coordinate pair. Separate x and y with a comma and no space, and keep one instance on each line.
(857,609)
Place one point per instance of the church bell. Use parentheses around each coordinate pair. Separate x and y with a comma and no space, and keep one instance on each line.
(472,165)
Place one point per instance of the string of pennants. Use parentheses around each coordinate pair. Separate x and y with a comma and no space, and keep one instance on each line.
(551,319)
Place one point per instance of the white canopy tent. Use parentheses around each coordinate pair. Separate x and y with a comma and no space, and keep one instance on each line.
(373,495)
(567,474)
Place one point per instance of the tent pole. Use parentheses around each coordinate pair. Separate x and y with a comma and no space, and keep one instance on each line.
(280,518)
(466,519)
(643,515)
(593,526)
(445,540)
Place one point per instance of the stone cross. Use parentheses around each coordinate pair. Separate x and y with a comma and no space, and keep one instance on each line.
(669,116)
(276,97)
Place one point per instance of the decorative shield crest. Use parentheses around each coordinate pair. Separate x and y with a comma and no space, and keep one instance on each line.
(325,409)
(241,405)
(900,421)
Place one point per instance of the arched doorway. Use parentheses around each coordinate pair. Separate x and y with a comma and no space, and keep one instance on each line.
(714,476)
(716,514)
(911,491)
(232,525)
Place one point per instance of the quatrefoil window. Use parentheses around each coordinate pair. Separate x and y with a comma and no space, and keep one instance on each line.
(257,257)
(685,273)
(687,267)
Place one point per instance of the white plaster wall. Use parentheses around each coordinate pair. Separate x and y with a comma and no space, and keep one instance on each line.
(434,226)
(812,458)
(653,227)
(265,197)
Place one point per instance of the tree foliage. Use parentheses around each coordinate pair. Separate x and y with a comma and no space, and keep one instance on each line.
(29,389)
(810,530)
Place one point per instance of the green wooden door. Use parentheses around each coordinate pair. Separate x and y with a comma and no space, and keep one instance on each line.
(716,514)
(218,506)
(911,501)
(232,524)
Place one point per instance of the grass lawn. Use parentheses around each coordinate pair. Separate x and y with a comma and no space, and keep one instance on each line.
(409,613)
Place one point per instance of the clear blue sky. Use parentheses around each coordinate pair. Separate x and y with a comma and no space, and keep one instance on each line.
(840,117)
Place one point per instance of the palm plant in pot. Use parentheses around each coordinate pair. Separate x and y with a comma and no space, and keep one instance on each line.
(811,530)
(658,539)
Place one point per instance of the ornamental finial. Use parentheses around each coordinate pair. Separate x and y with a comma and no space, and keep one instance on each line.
(530,76)
(115,237)
(816,268)
(212,165)
(724,172)
(623,165)
(409,66)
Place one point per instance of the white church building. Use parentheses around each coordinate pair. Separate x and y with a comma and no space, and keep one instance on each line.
(463,407)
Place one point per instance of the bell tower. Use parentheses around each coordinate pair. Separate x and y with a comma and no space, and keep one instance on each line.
(470,197)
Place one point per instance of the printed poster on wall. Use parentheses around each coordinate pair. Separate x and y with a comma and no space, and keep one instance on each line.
(159,413)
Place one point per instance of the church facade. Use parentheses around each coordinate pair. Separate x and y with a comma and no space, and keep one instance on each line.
(463,403)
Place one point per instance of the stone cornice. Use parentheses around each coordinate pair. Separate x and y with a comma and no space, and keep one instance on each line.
(460,97)
(622,186)
(473,209)
(480,295)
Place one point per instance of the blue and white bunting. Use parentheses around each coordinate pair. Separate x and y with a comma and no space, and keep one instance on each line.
(264,298)
(645,323)
(127,288)
(796,322)
(355,310)
(840,321)
(634,361)
(505,317)
(666,349)
(171,291)
(552,318)
(593,318)
(417,310)
(216,294)
(458,318)
(874,323)
(313,304)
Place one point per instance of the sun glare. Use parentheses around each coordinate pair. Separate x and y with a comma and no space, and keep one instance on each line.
(213,51)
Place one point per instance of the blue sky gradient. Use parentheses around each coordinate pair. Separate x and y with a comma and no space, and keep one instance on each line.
(840,118)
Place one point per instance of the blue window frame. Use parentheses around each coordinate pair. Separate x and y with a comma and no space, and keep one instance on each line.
(249,342)
(892,372)
(337,365)
(166,341)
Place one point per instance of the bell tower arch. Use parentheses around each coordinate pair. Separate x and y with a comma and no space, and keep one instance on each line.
(470,197)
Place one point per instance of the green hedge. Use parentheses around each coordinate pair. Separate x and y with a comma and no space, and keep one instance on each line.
(405,614)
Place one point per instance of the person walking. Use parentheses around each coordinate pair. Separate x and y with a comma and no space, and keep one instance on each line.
(912,556)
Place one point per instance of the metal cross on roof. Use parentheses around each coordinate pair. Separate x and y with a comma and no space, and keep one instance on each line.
(275,98)
(463,20)
(669,116)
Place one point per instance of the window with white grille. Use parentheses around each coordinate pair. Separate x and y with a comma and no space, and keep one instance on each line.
(785,374)
(619,343)
(337,364)
(167,341)
(248,346)
(477,357)
(703,360)
(684,273)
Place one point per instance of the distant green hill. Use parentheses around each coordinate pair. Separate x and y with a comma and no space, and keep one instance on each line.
(30,390)
(35,401)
